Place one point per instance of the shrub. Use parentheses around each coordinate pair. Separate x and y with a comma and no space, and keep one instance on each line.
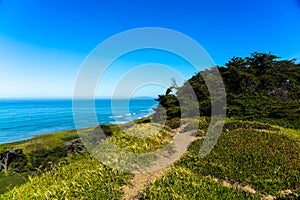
(173,123)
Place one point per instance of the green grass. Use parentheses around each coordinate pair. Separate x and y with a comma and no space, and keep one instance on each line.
(196,124)
(263,156)
(293,132)
(83,179)
(250,153)
(37,153)
(45,141)
(142,138)
(133,146)
(8,182)
(182,183)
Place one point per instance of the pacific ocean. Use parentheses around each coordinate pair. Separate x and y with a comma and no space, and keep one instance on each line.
(23,119)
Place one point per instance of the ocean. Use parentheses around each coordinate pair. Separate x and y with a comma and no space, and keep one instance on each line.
(23,119)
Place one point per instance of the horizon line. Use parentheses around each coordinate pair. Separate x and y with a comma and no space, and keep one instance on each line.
(72,98)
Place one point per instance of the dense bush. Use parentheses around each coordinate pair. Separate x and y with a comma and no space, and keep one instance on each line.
(34,154)
(173,123)
(13,160)
(258,88)
(41,158)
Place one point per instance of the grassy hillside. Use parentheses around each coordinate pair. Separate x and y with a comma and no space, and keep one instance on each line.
(182,183)
(257,156)
(250,161)
(33,156)
(83,179)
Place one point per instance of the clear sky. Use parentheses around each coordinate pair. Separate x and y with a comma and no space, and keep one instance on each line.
(44,42)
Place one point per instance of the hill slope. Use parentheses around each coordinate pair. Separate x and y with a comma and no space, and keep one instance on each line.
(251,160)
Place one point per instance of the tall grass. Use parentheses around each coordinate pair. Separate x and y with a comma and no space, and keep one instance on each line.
(262,156)
(83,179)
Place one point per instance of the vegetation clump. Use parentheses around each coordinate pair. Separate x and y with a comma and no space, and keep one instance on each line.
(83,179)
(258,88)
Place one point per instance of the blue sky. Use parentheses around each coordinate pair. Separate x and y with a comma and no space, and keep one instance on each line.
(43,43)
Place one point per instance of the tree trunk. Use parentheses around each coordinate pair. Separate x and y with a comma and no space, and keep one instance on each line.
(4,162)
(5,158)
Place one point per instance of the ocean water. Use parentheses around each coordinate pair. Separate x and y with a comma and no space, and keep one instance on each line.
(23,119)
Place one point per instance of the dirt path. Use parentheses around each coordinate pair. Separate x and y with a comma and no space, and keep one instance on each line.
(132,191)
(140,180)
(248,188)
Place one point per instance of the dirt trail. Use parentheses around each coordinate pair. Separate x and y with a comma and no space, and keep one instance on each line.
(140,180)
(132,191)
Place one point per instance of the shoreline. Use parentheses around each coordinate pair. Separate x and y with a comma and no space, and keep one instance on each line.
(23,121)
(23,141)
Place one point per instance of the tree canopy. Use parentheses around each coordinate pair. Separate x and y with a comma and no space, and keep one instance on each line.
(260,87)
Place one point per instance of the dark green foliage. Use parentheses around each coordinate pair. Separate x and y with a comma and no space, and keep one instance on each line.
(259,107)
(258,88)
(7,182)
(75,146)
(38,153)
(41,158)
(68,137)
(12,160)
(94,136)
(108,129)
(143,120)
(19,162)
(173,123)
(169,106)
